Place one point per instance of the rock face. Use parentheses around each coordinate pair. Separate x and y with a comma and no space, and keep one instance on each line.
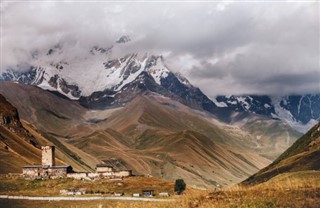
(8,114)
(9,120)
(299,111)
(302,107)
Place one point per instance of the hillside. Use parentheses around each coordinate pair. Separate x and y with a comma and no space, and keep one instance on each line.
(18,146)
(20,143)
(302,155)
(152,135)
(49,112)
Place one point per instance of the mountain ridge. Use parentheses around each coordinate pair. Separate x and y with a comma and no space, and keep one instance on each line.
(99,80)
(152,135)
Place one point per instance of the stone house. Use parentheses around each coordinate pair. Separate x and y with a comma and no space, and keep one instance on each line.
(47,169)
(118,194)
(101,168)
(102,171)
(148,193)
(164,194)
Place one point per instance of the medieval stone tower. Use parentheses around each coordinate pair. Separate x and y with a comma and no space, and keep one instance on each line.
(48,156)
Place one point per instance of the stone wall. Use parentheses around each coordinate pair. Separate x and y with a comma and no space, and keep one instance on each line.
(77,175)
(110,174)
(40,172)
(94,175)
(32,173)
(57,172)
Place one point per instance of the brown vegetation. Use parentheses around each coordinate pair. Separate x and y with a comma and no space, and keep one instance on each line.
(15,185)
(299,189)
(303,155)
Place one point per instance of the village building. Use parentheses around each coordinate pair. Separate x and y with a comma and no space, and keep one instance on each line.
(72,191)
(102,171)
(118,194)
(164,194)
(148,193)
(136,194)
(47,169)
(101,168)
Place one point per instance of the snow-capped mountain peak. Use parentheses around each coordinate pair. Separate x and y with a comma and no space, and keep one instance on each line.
(97,79)
(300,111)
(123,39)
(54,69)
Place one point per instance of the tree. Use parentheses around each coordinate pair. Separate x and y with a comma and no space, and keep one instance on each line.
(179,186)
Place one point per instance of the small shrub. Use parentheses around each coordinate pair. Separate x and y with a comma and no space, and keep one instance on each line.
(179,186)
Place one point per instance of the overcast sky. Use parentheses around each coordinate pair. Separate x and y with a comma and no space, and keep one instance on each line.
(221,47)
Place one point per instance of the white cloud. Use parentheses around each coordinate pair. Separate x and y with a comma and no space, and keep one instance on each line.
(222,47)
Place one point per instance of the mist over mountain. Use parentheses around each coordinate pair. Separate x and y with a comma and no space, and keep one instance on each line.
(224,48)
(100,80)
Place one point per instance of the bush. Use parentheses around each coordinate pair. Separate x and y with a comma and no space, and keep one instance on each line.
(179,186)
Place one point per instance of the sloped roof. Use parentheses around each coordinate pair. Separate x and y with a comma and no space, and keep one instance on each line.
(32,166)
(46,167)
(104,165)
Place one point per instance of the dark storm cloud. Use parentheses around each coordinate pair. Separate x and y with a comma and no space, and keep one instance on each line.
(222,47)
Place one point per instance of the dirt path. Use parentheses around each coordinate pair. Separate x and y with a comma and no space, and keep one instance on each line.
(84,198)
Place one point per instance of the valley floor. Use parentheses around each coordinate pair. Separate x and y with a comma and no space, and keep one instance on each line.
(298,189)
(293,198)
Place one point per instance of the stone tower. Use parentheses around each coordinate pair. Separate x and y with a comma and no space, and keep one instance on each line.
(48,156)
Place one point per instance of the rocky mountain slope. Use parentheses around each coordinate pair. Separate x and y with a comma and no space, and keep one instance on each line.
(20,142)
(299,111)
(302,155)
(12,134)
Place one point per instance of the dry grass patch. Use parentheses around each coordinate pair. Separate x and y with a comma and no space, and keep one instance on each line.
(52,187)
(298,189)
(180,202)
(294,190)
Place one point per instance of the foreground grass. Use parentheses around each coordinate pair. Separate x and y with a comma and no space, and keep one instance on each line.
(19,186)
(300,189)
(261,198)
(242,198)
(88,204)
(16,186)
(185,200)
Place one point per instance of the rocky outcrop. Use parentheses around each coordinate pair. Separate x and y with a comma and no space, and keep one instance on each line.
(9,119)
(8,114)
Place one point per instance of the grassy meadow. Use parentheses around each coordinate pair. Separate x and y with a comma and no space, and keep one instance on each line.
(297,189)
